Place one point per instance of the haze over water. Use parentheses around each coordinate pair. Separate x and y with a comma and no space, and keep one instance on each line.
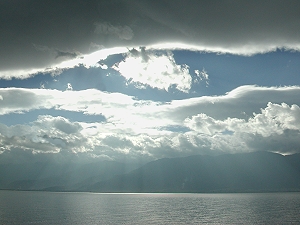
(91,208)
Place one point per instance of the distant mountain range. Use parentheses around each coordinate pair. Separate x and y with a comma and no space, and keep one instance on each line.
(246,172)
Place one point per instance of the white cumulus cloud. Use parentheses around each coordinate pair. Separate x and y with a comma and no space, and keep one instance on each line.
(156,70)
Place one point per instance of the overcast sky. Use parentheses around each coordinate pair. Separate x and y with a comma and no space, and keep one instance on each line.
(146,79)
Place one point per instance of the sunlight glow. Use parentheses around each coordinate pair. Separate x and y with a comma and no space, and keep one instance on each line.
(88,60)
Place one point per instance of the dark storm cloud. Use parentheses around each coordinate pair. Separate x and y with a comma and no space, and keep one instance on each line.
(66,54)
(56,52)
(241,27)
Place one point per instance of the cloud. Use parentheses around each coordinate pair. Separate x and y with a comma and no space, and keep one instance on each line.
(275,129)
(142,129)
(69,87)
(123,32)
(59,123)
(89,60)
(240,103)
(201,76)
(48,135)
(57,135)
(66,54)
(154,69)
(45,135)
(285,143)
(56,52)
(119,108)
(205,124)
(237,27)
(114,106)
(274,119)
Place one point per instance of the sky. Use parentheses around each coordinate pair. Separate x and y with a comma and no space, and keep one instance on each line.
(141,80)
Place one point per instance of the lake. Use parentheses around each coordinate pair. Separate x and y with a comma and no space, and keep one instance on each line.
(22,207)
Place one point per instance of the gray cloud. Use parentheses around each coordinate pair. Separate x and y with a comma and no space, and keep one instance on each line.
(124,33)
(56,52)
(239,27)
(45,135)
(285,143)
(61,124)
(66,54)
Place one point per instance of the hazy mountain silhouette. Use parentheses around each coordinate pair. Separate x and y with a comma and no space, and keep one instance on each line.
(58,176)
(246,172)
(258,171)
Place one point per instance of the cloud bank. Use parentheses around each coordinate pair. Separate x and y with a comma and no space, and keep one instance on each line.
(70,28)
(149,130)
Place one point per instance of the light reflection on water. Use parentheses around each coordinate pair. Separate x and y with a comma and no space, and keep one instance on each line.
(91,208)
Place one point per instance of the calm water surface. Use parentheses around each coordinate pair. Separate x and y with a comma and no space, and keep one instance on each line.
(18,207)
